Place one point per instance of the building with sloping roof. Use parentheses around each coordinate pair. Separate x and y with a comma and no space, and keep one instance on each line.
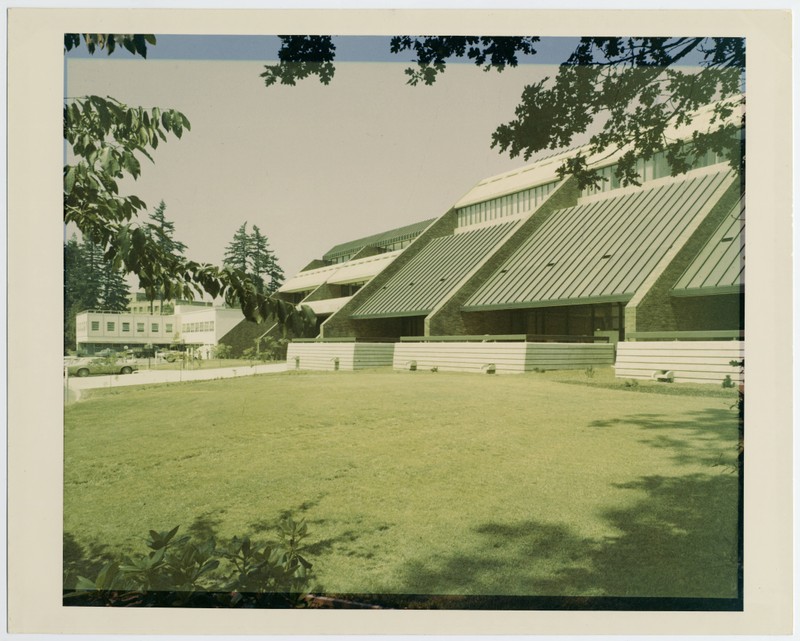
(528,256)
(327,284)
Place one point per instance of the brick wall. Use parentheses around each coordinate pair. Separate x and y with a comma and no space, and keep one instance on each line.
(709,312)
(323,292)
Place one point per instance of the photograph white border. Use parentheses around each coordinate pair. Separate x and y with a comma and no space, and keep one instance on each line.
(35,240)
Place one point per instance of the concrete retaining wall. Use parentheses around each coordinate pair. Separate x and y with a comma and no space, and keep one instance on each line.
(690,361)
(507,358)
(323,356)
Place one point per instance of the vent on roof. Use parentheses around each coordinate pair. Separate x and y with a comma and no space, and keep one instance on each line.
(550,264)
(606,256)
(504,271)
(442,279)
(727,239)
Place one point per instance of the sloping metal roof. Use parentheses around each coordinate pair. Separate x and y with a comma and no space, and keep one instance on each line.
(428,277)
(719,267)
(349,272)
(600,251)
(361,269)
(393,235)
(327,306)
(307,280)
(532,175)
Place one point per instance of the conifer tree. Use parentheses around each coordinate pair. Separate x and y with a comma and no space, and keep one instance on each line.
(264,264)
(250,253)
(90,282)
(237,252)
(162,231)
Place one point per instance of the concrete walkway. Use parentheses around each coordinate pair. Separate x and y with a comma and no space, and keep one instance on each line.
(74,385)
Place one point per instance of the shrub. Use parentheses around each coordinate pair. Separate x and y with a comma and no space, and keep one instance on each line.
(275,348)
(177,571)
(222,351)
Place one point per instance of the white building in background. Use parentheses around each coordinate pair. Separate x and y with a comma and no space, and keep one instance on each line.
(198,327)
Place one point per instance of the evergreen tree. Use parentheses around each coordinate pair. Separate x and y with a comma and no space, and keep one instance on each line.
(162,231)
(264,264)
(73,280)
(237,253)
(93,274)
(90,282)
(250,254)
(115,295)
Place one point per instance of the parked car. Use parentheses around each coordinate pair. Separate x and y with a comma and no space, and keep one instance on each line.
(142,352)
(171,355)
(100,366)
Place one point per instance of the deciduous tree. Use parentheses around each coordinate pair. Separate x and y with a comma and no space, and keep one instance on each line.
(106,140)
(638,91)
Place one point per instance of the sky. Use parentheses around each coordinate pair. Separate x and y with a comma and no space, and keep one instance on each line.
(311,165)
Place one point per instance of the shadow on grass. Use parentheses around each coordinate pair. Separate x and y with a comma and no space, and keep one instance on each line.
(204,527)
(678,548)
(693,438)
(80,560)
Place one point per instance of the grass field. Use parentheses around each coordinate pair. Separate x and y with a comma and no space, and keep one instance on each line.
(426,483)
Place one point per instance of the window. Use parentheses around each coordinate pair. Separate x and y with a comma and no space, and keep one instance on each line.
(95,326)
(169,328)
(510,205)
(154,327)
(350,289)
(139,327)
(110,326)
(126,327)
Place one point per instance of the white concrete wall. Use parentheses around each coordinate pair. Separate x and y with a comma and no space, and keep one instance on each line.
(75,385)
(691,361)
(85,334)
(321,356)
(507,358)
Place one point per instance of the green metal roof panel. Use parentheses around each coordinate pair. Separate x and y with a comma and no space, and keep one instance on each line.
(600,250)
(433,273)
(719,267)
(393,235)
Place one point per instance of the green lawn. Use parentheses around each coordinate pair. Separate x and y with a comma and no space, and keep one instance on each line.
(426,483)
